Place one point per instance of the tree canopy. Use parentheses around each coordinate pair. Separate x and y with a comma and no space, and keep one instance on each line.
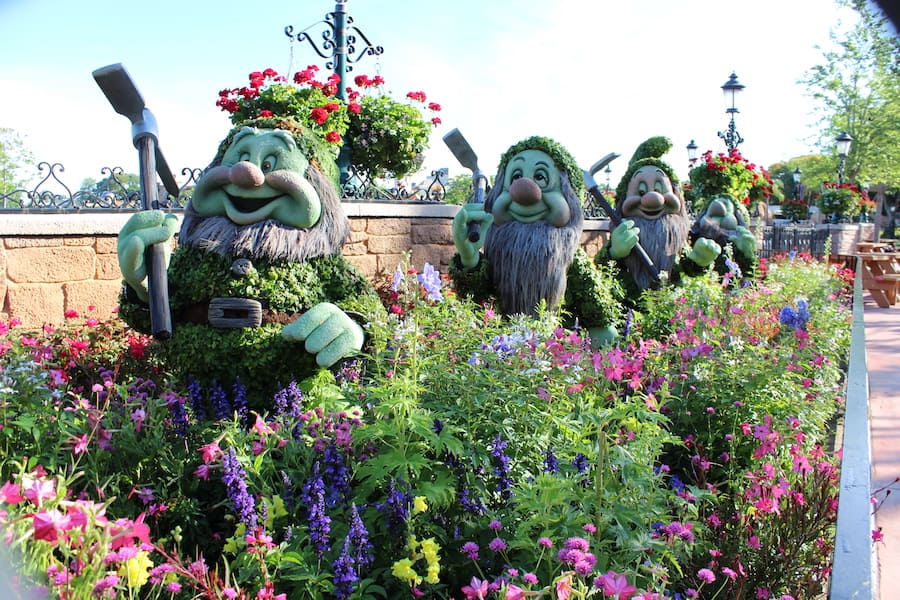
(857,89)
(13,157)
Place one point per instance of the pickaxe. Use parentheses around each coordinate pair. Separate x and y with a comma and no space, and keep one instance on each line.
(614,216)
(467,158)
(126,100)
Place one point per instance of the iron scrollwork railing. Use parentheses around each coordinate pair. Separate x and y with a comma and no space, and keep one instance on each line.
(52,195)
(361,187)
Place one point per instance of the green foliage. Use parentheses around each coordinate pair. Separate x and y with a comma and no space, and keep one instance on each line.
(388,137)
(729,174)
(459,190)
(14,156)
(857,89)
(467,445)
(842,199)
(116,183)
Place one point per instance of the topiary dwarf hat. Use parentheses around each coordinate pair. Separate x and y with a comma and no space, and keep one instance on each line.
(309,143)
(554,150)
(647,154)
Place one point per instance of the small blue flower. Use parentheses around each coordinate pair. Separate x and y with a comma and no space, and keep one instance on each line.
(430,279)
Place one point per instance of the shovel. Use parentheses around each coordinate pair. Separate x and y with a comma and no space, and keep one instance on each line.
(121,92)
(467,158)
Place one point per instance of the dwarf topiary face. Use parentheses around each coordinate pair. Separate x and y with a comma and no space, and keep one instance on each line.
(531,191)
(650,194)
(262,176)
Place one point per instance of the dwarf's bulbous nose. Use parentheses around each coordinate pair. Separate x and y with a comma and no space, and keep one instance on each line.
(652,201)
(246,174)
(717,209)
(525,191)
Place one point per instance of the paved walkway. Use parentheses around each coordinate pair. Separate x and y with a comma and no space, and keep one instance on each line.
(883,358)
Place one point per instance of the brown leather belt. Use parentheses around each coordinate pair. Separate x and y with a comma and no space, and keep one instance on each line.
(234,313)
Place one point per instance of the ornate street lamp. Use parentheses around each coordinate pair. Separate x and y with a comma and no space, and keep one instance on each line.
(843,147)
(608,172)
(731,88)
(692,153)
(341,48)
(796,176)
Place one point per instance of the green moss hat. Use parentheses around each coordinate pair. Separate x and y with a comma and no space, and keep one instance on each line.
(554,150)
(647,154)
(312,146)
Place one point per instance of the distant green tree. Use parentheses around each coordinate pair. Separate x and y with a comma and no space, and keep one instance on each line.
(459,190)
(814,170)
(117,183)
(857,90)
(14,156)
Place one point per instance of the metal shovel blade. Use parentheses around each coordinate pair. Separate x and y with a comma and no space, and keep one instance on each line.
(121,92)
(461,149)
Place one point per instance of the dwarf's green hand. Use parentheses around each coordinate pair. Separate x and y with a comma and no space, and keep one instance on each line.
(142,230)
(329,333)
(704,252)
(744,241)
(603,337)
(468,251)
(623,239)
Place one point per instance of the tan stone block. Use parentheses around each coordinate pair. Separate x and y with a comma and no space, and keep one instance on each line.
(108,267)
(354,249)
(366,263)
(358,224)
(36,304)
(432,231)
(391,244)
(78,241)
(32,242)
(384,227)
(387,263)
(357,236)
(102,295)
(50,265)
(438,256)
(106,244)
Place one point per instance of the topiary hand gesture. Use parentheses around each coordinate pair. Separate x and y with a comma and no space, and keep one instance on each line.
(328,332)
(623,239)
(468,251)
(142,230)
(704,252)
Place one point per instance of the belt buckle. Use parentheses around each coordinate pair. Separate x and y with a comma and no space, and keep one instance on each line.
(234,313)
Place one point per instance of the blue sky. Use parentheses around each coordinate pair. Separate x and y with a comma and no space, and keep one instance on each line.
(597,76)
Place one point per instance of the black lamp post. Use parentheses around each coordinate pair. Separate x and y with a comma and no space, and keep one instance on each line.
(843,147)
(692,153)
(608,172)
(341,46)
(796,176)
(731,88)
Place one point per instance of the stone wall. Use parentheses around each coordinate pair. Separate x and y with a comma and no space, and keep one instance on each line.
(51,263)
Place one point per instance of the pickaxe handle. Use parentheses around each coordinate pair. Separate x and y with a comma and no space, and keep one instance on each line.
(614,216)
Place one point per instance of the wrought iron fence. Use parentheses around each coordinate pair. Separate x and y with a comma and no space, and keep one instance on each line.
(52,195)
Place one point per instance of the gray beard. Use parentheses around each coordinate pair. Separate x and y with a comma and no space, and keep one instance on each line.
(528,264)
(271,239)
(663,239)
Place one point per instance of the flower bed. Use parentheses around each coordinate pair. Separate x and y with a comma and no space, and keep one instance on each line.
(464,456)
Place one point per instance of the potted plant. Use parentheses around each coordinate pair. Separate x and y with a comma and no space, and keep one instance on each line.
(841,201)
(795,209)
(386,137)
(728,174)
